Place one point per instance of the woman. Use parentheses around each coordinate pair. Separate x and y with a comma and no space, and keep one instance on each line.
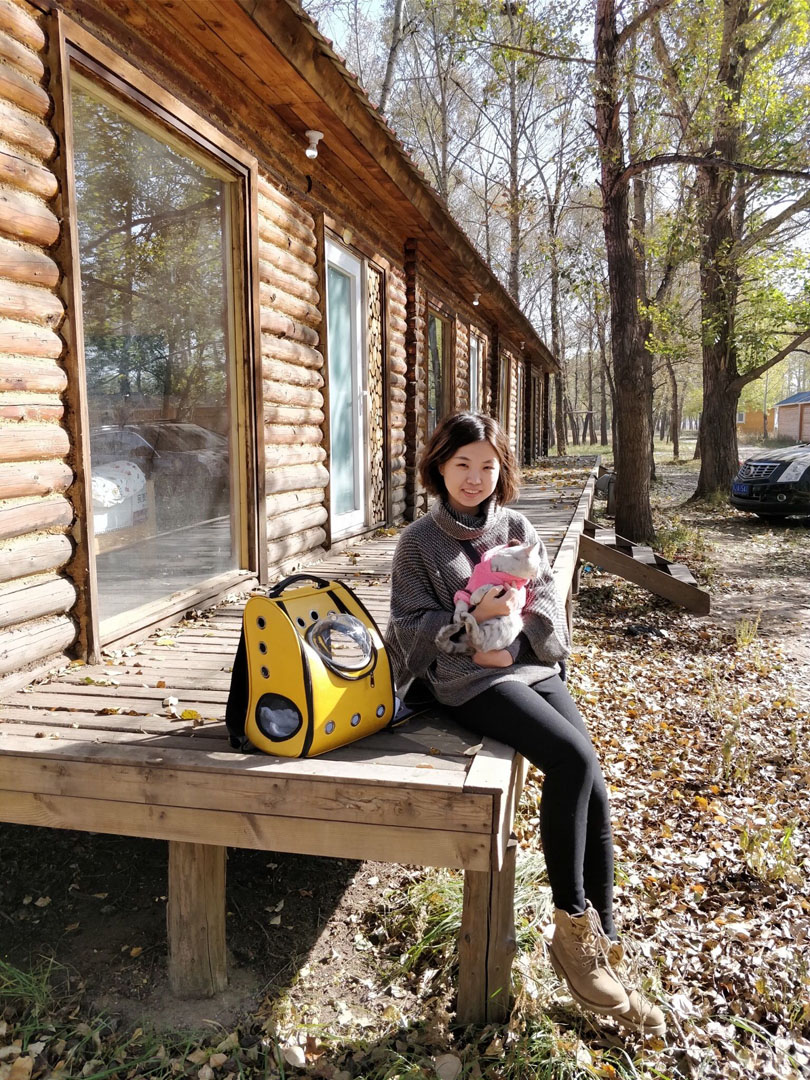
(469,466)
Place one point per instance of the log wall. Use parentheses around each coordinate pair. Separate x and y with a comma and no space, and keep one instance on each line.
(397,392)
(292,377)
(461,368)
(36,595)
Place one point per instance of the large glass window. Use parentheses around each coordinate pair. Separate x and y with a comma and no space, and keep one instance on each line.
(475,372)
(154,223)
(437,350)
(347,422)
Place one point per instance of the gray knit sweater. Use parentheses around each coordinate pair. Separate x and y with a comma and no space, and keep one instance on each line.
(430,565)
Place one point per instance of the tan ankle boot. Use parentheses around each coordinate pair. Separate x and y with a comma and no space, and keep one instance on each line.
(642,1016)
(576,945)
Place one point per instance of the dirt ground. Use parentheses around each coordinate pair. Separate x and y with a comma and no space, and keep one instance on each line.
(300,929)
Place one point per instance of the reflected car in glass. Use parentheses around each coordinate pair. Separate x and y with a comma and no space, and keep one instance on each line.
(774,483)
(188,464)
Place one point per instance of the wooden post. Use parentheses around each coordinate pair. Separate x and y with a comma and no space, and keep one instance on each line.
(195,918)
(487,943)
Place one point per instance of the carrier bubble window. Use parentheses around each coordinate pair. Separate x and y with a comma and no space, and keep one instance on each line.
(342,642)
(277,717)
(380,710)
(330,727)
(356,719)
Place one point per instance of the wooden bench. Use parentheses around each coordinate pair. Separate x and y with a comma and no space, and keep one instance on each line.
(96,749)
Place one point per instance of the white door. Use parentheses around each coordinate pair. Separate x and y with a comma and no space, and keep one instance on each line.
(347,397)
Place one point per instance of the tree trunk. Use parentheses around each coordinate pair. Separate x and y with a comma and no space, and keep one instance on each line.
(675,420)
(559,415)
(630,367)
(396,41)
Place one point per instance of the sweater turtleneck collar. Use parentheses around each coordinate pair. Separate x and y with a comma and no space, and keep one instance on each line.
(465,526)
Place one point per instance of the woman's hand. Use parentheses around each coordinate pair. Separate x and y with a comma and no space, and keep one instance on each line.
(499,601)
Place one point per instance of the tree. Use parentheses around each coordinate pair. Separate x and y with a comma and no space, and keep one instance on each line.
(747,126)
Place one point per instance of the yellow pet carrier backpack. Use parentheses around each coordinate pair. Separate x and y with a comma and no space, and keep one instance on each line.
(311,672)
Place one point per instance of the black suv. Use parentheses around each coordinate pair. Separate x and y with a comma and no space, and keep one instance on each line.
(774,483)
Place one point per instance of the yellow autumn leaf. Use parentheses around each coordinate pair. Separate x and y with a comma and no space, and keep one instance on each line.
(189,714)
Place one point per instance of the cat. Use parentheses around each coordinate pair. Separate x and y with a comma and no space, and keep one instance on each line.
(507,564)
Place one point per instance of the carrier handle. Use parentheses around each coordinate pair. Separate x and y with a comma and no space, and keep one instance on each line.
(285,583)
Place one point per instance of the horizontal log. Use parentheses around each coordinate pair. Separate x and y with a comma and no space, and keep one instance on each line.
(22,217)
(289,223)
(33,555)
(295,522)
(18,22)
(292,414)
(27,264)
(34,478)
(290,351)
(30,303)
(289,435)
(279,550)
(27,175)
(397,325)
(19,57)
(279,457)
(25,339)
(279,393)
(278,238)
(269,253)
(293,477)
(34,599)
(273,297)
(30,442)
(281,371)
(24,130)
(271,192)
(292,500)
(285,326)
(30,643)
(33,410)
(272,275)
(23,91)
(29,517)
(397,380)
(397,396)
(28,375)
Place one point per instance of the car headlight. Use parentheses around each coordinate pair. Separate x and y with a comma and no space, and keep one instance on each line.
(793,472)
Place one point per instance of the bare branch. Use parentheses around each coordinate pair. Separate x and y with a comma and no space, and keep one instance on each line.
(709,161)
(655,8)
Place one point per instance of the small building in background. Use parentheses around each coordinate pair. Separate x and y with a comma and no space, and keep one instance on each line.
(793,417)
(755,422)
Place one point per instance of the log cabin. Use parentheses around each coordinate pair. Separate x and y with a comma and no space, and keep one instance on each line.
(232,310)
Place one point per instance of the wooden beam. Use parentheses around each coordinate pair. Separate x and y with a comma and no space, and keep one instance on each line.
(195,920)
(487,943)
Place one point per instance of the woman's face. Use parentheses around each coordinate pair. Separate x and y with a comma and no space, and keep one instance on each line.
(471,476)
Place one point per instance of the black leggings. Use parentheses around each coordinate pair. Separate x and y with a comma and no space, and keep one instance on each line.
(544,725)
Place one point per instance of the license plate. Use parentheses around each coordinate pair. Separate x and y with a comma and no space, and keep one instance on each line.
(741,489)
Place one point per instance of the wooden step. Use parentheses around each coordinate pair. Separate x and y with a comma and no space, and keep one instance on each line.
(643,566)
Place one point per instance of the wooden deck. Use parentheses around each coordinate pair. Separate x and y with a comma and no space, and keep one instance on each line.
(103,749)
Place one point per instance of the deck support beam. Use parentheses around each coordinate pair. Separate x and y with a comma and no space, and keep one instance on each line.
(195,920)
(487,943)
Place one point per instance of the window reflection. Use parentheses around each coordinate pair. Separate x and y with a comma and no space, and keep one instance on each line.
(153,240)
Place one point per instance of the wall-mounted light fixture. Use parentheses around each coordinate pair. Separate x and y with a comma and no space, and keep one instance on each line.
(476,299)
(314,138)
